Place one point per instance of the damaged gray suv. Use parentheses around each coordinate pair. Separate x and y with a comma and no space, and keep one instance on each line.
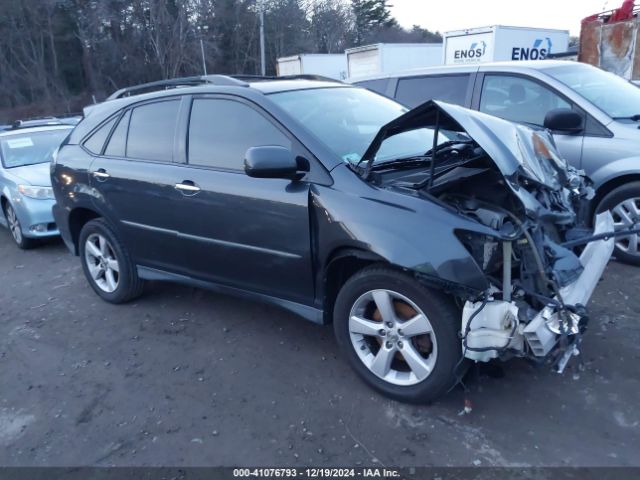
(429,238)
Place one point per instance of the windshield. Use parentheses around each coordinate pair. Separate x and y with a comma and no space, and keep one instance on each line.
(348,119)
(610,93)
(30,148)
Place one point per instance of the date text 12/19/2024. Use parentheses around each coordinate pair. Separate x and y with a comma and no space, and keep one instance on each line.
(316,473)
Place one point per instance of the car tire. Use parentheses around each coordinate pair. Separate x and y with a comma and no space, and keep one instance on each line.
(402,383)
(107,264)
(624,204)
(15,229)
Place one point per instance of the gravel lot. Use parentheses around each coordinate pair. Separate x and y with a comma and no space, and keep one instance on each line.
(187,377)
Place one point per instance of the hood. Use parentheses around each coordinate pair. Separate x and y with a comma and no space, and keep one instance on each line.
(513,148)
(38,174)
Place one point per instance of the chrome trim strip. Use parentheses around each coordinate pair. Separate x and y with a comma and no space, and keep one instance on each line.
(211,240)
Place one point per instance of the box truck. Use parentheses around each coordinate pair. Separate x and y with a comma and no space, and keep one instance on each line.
(325,64)
(502,43)
(391,57)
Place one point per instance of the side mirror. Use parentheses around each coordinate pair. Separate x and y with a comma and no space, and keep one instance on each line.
(271,162)
(564,120)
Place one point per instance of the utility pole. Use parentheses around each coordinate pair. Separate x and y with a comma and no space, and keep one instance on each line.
(204,63)
(202,31)
(263,63)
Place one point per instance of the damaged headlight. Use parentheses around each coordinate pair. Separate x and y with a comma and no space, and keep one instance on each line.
(537,155)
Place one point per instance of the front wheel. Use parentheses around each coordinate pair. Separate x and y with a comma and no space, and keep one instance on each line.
(399,336)
(624,204)
(107,264)
(16,229)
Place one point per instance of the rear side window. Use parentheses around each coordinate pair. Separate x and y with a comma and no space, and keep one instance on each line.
(378,86)
(448,88)
(96,141)
(221,132)
(151,131)
(117,146)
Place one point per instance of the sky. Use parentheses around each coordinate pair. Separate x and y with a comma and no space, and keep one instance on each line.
(445,15)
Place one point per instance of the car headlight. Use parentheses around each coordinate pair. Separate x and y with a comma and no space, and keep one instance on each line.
(39,193)
(536,157)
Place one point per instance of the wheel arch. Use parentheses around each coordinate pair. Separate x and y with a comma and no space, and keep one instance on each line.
(78,218)
(4,201)
(605,186)
(341,265)
(608,187)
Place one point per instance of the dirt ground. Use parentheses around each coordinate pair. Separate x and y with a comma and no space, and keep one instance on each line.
(185,377)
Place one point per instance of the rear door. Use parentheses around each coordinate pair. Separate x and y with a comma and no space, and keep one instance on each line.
(135,175)
(245,232)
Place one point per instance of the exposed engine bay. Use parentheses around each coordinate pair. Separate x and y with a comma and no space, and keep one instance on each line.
(545,258)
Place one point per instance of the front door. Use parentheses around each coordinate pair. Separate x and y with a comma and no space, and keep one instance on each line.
(524,100)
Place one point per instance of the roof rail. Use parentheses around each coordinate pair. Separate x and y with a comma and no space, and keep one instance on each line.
(305,76)
(40,122)
(222,80)
(309,76)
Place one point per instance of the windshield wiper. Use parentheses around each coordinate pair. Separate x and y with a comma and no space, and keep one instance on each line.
(401,162)
(635,118)
(419,159)
(448,143)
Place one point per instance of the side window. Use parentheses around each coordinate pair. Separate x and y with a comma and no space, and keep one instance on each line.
(518,99)
(151,131)
(96,141)
(378,86)
(221,132)
(448,88)
(118,142)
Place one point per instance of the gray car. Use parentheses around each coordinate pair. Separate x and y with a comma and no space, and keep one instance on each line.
(605,141)
(25,182)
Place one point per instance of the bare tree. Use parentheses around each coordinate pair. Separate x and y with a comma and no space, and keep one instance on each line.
(56,55)
(332,24)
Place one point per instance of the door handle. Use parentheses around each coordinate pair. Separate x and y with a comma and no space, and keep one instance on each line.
(187,186)
(101,174)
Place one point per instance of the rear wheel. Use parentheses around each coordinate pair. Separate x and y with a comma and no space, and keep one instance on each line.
(624,204)
(399,336)
(107,264)
(15,228)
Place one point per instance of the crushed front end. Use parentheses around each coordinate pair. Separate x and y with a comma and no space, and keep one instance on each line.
(543,263)
(536,306)
(545,256)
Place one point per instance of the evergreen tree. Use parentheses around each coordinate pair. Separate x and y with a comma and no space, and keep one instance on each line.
(370,15)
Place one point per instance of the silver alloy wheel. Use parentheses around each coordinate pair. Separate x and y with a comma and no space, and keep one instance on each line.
(392,347)
(14,224)
(102,262)
(627,215)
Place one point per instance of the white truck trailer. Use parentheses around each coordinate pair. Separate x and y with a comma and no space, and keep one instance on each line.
(325,64)
(391,57)
(501,43)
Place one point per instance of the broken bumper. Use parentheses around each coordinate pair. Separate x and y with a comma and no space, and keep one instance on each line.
(542,332)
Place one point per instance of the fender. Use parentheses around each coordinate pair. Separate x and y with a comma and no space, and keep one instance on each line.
(615,169)
(6,193)
(72,186)
(414,233)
